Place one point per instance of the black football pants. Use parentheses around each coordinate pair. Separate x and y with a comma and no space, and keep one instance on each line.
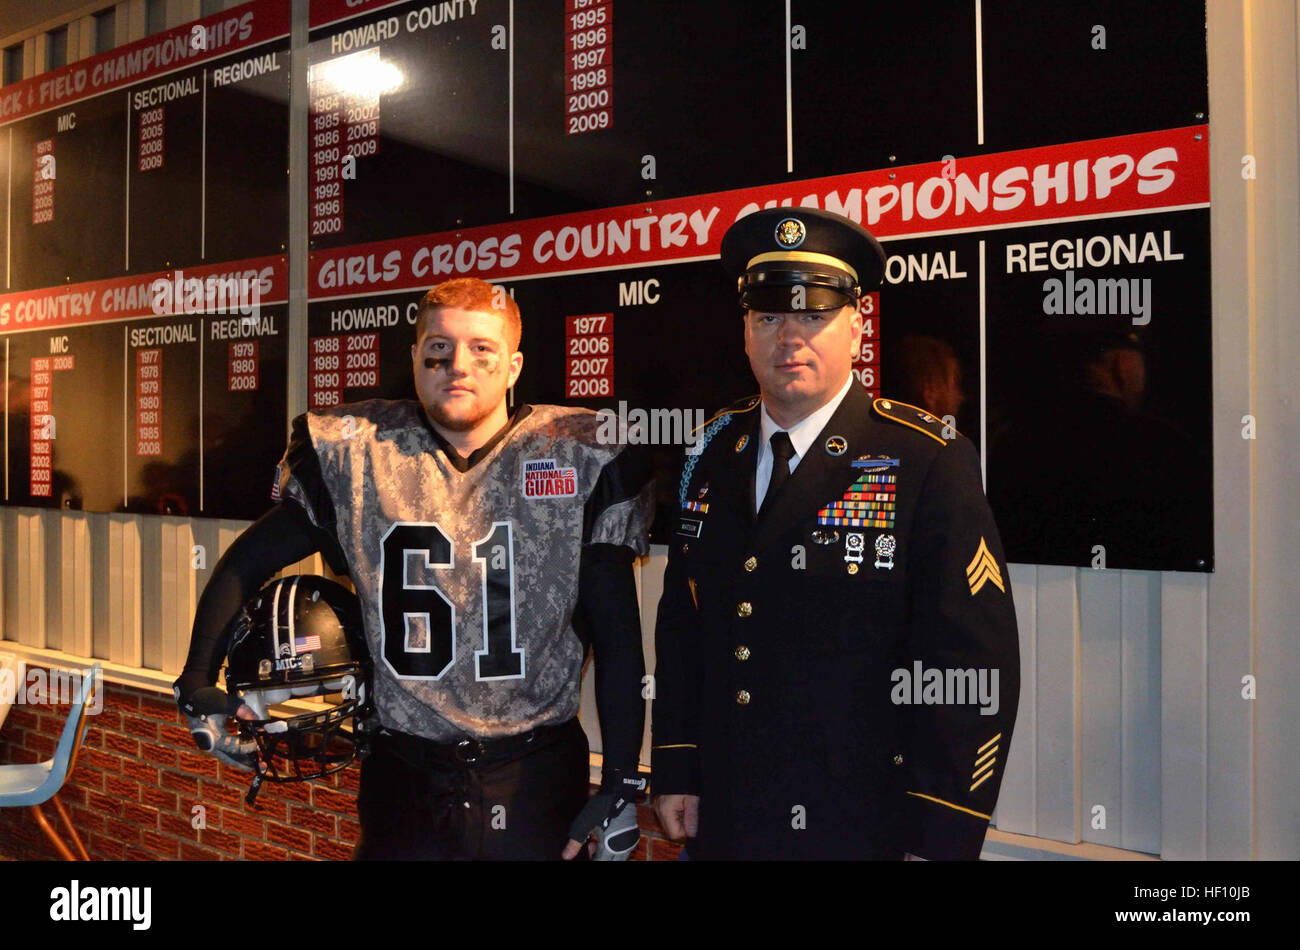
(427,804)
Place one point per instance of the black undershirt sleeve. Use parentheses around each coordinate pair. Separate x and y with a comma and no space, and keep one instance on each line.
(279,538)
(608,616)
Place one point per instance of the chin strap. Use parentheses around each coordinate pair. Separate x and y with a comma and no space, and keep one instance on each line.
(251,798)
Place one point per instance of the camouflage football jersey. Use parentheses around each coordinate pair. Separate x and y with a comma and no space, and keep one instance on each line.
(468,580)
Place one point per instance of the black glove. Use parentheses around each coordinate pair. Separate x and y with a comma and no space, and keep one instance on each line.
(207,708)
(610,815)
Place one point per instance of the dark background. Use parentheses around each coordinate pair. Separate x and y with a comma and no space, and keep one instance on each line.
(247,181)
(243,432)
(246,216)
(701,88)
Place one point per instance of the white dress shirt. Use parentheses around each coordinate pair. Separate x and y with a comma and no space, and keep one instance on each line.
(802,435)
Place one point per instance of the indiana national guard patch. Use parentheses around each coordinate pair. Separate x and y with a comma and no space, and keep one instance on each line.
(983,569)
(544,479)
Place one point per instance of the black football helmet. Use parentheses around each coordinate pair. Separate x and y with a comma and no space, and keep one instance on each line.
(301,636)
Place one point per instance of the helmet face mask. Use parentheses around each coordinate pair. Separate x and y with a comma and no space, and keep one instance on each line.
(307,746)
(300,637)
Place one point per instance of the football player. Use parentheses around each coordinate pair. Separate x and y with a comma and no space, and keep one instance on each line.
(489,550)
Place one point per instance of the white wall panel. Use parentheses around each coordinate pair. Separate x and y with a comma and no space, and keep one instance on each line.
(182,11)
(85,46)
(1058,704)
(124,606)
(52,568)
(1017,800)
(31,578)
(1182,716)
(77,589)
(100,627)
(180,591)
(134,13)
(1101,733)
(1274,52)
(1140,716)
(152,593)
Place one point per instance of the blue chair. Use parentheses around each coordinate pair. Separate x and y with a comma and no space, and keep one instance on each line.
(32,785)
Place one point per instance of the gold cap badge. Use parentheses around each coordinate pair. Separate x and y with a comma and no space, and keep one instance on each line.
(790,232)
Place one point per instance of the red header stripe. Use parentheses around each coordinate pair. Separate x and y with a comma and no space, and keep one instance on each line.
(103,301)
(1102,177)
(221,34)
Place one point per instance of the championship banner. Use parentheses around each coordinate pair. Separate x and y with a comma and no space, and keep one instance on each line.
(1047,269)
(236,287)
(143,272)
(1104,178)
(221,34)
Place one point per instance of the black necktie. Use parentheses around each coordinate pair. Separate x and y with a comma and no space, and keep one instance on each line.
(782,452)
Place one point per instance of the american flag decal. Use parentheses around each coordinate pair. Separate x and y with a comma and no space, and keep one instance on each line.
(307,643)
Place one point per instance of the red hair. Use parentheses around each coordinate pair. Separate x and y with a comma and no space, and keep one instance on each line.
(470,293)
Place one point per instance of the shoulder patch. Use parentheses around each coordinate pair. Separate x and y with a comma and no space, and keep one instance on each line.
(706,433)
(740,405)
(914,417)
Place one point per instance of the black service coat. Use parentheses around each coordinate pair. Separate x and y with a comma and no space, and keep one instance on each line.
(817,683)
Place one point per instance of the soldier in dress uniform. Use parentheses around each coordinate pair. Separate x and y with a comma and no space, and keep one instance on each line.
(838,665)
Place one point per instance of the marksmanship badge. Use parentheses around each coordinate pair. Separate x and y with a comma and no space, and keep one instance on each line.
(885,545)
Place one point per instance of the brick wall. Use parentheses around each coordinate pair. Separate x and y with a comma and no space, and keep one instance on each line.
(139,777)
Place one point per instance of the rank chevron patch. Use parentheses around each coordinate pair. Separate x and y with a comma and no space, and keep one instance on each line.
(983,569)
(985,759)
